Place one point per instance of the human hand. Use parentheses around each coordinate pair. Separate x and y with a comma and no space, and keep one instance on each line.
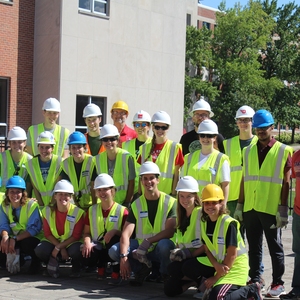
(238,213)
(282,216)
(179,254)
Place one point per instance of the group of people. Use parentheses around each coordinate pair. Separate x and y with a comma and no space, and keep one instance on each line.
(153,208)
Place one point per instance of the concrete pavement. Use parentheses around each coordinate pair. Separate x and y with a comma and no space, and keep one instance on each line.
(22,286)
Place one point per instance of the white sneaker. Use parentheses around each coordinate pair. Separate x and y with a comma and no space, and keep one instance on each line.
(275,290)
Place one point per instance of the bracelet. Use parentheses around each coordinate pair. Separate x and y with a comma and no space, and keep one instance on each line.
(57,248)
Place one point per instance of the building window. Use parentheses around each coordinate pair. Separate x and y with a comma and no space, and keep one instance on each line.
(4,88)
(81,103)
(188,19)
(206,24)
(100,7)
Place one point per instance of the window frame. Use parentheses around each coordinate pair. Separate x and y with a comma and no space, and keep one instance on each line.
(92,11)
(4,103)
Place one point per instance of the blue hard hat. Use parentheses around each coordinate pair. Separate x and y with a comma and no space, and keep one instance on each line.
(76,138)
(16,182)
(262,118)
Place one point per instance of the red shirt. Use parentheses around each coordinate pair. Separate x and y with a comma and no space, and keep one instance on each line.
(60,219)
(296,174)
(127,134)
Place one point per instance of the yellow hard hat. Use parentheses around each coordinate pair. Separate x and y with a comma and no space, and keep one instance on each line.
(120,105)
(212,192)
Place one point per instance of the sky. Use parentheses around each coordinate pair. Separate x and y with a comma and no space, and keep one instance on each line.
(230,3)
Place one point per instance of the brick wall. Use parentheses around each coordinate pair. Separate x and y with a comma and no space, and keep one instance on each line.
(16,63)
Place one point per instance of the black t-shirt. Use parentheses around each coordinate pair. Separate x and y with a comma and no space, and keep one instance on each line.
(231,234)
(137,147)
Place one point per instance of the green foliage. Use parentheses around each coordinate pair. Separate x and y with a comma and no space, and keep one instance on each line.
(286,138)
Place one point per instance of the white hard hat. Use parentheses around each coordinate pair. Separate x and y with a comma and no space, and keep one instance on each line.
(103,181)
(17,134)
(51,104)
(63,186)
(245,111)
(208,126)
(46,137)
(187,184)
(202,105)
(109,130)
(141,116)
(161,117)
(91,110)
(149,167)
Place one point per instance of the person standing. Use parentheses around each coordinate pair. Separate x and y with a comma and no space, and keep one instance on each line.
(44,168)
(190,141)
(262,203)
(153,219)
(119,114)
(51,110)
(233,149)
(294,294)
(92,117)
(13,160)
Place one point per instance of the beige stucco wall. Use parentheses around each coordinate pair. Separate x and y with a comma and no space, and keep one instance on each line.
(137,55)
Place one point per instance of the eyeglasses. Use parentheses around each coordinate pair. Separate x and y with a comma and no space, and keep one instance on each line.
(138,125)
(109,139)
(263,128)
(119,113)
(206,135)
(203,116)
(245,121)
(156,127)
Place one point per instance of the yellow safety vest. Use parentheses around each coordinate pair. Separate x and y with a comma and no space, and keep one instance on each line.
(46,188)
(121,171)
(233,150)
(99,225)
(192,236)
(143,228)
(165,161)
(73,216)
(82,189)
(238,273)
(209,172)
(8,167)
(25,213)
(61,135)
(262,186)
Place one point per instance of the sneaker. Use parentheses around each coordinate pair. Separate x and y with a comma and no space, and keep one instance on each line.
(75,274)
(198,295)
(101,274)
(275,290)
(290,296)
(140,276)
(116,279)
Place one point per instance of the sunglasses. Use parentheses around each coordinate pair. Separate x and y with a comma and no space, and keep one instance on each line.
(156,127)
(206,135)
(245,121)
(109,139)
(203,116)
(138,125)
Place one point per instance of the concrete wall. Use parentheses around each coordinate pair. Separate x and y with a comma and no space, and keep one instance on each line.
(136,55)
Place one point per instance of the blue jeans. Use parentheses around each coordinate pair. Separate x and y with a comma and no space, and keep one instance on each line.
(296,250)
(161,254)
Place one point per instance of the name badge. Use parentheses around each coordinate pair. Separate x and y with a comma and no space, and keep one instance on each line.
(113,219)
(221,241)
(143,214)
(12,225)
(196,243)
(71,218)
(85,173)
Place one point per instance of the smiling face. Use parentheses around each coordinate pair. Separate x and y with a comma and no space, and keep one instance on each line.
(110,143)
(244,124)
(62,200)
(149,182)
(77,151)
(119,116)
(213,208)
(207,140)
(15,196)
(141,128)
(17,146)
(264,133)
(50,118)
(105,194)
(45,151)
(187,199)
(199,116)
(93,124)
(160,130)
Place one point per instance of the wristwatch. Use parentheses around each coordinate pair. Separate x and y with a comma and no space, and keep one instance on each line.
(122,255)
(14,238)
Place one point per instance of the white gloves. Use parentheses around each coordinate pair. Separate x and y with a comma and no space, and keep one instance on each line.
(281,217)
(141,253)
(238,214)
(13,262)
(179,254)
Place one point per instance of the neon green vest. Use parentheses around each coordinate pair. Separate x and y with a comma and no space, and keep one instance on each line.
(61,135)
(143,228)
(82,189)
(8,167)
(166,163)
(238,273)
(209,172)
(99,226)
(73,216)
(25,213)
(262,186)
(46,188)
(233,150)
(120,174)
(192,236)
